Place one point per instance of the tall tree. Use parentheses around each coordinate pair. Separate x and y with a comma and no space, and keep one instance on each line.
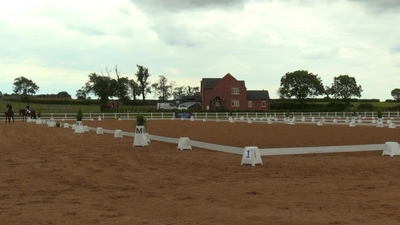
(100,86)
(133,88)
(142,75)
(162,89)
(24,86)
(119,85)
(344,87)
(300,84)
(396,94)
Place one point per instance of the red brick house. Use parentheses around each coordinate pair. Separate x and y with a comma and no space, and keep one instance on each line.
(231,94)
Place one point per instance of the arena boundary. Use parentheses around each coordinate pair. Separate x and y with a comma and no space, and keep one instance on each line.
(263,151)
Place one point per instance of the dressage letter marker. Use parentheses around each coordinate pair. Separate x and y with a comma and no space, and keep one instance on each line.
(251,155)
(141,137)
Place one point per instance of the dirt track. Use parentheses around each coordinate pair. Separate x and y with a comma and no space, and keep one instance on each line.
(53,176)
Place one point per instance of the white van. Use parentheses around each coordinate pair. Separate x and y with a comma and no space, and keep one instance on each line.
(165,105)
(187,105)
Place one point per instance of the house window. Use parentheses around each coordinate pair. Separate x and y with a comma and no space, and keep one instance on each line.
(235,103)
(264,104)
(235,91)
(250,104)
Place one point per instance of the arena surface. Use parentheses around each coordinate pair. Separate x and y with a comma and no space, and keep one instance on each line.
(53,176)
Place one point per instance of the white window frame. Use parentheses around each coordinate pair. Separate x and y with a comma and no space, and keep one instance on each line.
(250,104)
(235,91)
(233,103)
(264,104)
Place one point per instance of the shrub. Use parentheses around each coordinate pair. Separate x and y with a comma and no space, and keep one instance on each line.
(79,115)
(379,113)
(58,124)
(141,121)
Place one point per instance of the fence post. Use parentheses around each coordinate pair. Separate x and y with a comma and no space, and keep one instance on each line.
(151,115)
(216,115)
(103,116)
(206,115)
(247,115)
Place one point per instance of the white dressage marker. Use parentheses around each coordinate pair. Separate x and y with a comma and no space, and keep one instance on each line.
(391,148)
(66,125)
(99,130)
(392,125)
(118,134)
(141,137)
(251,155)
(184,143)
(99,119)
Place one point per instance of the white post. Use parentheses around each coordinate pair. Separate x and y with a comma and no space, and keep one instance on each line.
(195,115)
(216,115)
(162,115)
(103,116)
(127,116)
(151,115)
(256,115)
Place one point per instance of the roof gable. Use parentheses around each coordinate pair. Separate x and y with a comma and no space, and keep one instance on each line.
(208,83)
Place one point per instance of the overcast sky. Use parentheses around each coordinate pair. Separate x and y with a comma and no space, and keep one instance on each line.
(58,43)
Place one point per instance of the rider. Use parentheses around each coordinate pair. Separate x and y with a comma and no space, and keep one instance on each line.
(27,108)
(9,107)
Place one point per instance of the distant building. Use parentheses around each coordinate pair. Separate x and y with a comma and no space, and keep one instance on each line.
(230,94)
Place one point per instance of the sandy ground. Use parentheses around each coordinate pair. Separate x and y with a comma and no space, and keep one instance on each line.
(53,176)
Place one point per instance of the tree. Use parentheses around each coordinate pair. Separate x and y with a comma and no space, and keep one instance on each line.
(63,94)
(396,94)
(186,90)
(142,75)
(344,87)
(162,89)
(120,86)
(100,86)
(300,84)
(133,88)
(81,94)
(24,86)
(1,94)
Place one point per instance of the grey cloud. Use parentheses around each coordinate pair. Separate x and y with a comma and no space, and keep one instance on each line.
(182,5)
(379,6)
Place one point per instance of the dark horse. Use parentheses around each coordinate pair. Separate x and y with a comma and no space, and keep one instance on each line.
(9,114)
(25,114)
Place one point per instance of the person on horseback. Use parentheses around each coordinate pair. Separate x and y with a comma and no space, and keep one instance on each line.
(9,106)
(28,110)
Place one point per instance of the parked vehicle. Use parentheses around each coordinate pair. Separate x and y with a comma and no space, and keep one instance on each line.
(189,105)
(165,105)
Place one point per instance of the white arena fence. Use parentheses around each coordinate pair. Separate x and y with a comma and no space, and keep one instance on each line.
(219,115)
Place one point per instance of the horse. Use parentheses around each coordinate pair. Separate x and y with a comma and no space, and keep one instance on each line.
(25,114)
(9,114)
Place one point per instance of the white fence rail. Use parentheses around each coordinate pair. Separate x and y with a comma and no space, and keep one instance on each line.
(215,115)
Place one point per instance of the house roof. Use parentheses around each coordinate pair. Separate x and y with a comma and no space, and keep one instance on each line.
(211,82)
(257,95)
